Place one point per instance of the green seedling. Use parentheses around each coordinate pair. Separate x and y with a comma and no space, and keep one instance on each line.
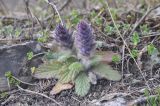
(151,49)
(152,101)
(135,38)
(109,29)
(3,94)
(11,79)
(29,55)
(134,53)
(144,29)
(74,17)
(44,35)
(116,58)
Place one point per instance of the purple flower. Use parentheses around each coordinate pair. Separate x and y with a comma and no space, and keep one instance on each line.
(84,39)
(63,37)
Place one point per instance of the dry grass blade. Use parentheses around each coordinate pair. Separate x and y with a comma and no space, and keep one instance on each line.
(54,7)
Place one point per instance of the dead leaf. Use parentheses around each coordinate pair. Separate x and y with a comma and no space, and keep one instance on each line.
(106,56)
(60,87)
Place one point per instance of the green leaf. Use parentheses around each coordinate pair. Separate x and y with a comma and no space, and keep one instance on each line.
(44,35)
(82,84)
(67,57)
(52,55)
(126,26)
(135,38)
(65,77)
(71,60)
(72,72)
(29,55)
(18,31)
(105,71)
(114,13)
(93,14)
(11,79)
(144,29)
(151,49)
(98,20)
(75,17)
(108,56)
(155,58)
(109,29)
(8,30)
(48,70)
(95,60)
(76,66)
(116,58)
(64,57)
(134,53)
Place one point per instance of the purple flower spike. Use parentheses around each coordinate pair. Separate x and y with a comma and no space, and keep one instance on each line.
(84,39)
(63,37)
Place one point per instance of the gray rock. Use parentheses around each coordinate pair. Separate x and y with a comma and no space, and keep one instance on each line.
(115,102)
(14,59)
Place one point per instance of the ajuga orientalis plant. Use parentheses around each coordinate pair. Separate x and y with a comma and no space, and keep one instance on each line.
(81,68)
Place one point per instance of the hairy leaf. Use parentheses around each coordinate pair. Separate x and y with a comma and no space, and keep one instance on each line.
(106,56)
(71,60)
(60,56)
(151,49)
(65,77)
(48,70)
(95,60)
(92,78)
(82,84)
(52,55)
(76,67)
(105,71)
(67,57)
(72,71)
(64,57)
(135,38)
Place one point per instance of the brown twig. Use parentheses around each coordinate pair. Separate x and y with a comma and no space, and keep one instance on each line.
(60,9)
(37,55)
(140,54)
(29,14)
(23,81)
(11,97)
(40,94)
(151,35)
(123,53)
(55,8)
